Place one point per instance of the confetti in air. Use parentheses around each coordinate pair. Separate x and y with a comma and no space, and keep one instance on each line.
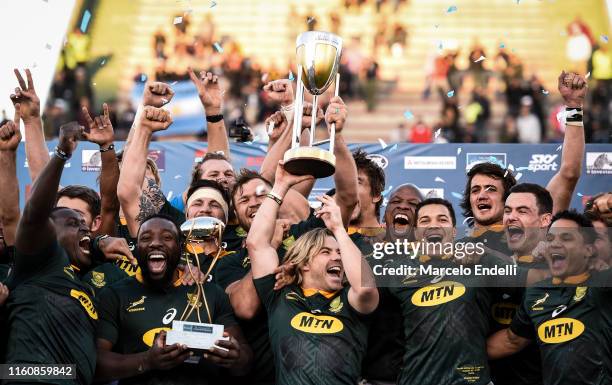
(604,38)
(85,20)
(451,9)
(588,75)
(393,148)
(103,62)
(456,195)
(143,78)
(450,93)
(169,195)
(291,77)
(522,168)
(382,143)
(481,58)
(438,179)
(218,47)
(545,92)
(174,82)
(459,151)
(559,148)
(48,46)
(408,115)
(518,176)
(178,176)
(438,131)
(310,20)
(387,191)
(506,173)
(467,219)
(178,20)
(580,194)
(510,167)
(264,77)
(212,4)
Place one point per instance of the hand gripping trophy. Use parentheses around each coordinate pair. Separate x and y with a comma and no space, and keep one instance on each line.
(318,58)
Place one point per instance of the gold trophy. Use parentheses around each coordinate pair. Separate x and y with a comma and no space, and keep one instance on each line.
(318,58)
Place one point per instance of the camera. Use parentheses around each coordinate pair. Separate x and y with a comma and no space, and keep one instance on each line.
(240,130)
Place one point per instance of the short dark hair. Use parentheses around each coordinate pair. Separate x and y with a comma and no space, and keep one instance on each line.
(243,178)
(83,193)
(436,201)
(489,169)
(544,200)
(205,183)
(594,217)
(166,217)
(375,174)
(196,173)
(585,225)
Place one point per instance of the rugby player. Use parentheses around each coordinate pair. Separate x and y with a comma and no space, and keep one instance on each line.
(136,313)
(567,315)
(603,244)
(317,326)
(488,184)
(399,213)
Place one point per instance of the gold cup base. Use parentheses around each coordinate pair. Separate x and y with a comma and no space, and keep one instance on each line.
(310,161)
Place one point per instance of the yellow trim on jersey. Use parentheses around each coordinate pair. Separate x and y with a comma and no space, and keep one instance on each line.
(573,279)
(176,283)
(311,292)
(496,228)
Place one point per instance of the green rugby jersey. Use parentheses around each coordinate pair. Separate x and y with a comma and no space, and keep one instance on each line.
(108,273)
(50,315)
(446,323)
(316,339)
(233,236)
(132,313)
(571,322)
(493,237)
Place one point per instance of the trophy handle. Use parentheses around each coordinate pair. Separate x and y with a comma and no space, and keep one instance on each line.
(332,132)
(298,108)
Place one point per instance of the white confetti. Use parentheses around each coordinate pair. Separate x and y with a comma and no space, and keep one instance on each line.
(467,219)
(438,179)
(506,173)
(511,167)
(260,190)
(559,148)
(459,151)
(174,83)
(437,133)
(48,46)
(387,191)
(580,194)
(481,58)
(393,148)
(264,77)
(518,176)
(178,20)
(103,62)
(382,143)
(545,92)
(169,195)
(588,75)
(456,195)
(178,176)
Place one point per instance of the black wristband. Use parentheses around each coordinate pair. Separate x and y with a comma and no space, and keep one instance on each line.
(214,118)
(110,147)
(61,154)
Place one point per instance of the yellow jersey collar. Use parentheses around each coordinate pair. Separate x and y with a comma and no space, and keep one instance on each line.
(572,279)
(310,292)
(496,228)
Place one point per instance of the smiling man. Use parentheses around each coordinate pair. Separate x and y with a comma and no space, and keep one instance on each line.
(567,315)
(136,313)
(399,213)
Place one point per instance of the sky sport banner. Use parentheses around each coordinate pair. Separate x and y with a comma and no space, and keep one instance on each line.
(438,169)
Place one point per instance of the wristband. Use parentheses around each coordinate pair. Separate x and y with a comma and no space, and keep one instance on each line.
(214,118)
(110,147)
(275,197)
(61,154)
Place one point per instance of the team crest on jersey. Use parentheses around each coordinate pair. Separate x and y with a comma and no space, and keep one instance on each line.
(241,232)
(438,293)
(537,304)
(580,293)
(560,330)
(193,300)
(69,271)
(97,279)
(85,301)
(287,242)
(336,305)
(137,305)
(316,324)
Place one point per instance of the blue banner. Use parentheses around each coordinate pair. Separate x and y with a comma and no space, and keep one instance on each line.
(438,169)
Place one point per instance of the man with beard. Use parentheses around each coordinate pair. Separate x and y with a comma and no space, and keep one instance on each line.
(51,317)
(399,213)
(567,315)
(527,214)
(488,184)
(136,313)
(317,325)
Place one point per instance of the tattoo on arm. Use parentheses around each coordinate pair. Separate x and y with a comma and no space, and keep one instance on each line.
(151,201)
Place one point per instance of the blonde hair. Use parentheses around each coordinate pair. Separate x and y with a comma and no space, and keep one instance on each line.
(301,252)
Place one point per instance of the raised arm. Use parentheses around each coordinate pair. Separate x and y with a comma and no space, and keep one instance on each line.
(363,294)
(100,131)
(573,88)
(10,136)
(139,203)
(35,222)
(504,343)
(346,171)
(264,259)
(211,97)
(37,153)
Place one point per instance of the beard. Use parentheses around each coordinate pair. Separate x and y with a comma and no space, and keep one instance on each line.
(166,281)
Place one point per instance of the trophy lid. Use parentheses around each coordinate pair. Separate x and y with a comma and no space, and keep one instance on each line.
(202,227)
(318,53)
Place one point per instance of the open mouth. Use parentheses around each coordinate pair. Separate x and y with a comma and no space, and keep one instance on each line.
(156,262)
(515,233)
(84,244)
(558,261)
(335,271)
(401,223)
(483,207)
(434,238)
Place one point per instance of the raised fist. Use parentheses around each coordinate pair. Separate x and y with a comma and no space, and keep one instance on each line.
(573,88)
(307,115)
(157,94)
(275,125)
(155,119)
(280,91)
(10,136)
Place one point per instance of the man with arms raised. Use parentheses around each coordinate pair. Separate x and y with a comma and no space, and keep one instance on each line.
(488,184)
(136,313)
(316,313)
(568,315)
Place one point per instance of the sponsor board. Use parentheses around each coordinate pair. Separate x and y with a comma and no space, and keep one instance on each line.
(91,160)
(474,158)
(543,162)
(430,162)
(599,163)
(380,160)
